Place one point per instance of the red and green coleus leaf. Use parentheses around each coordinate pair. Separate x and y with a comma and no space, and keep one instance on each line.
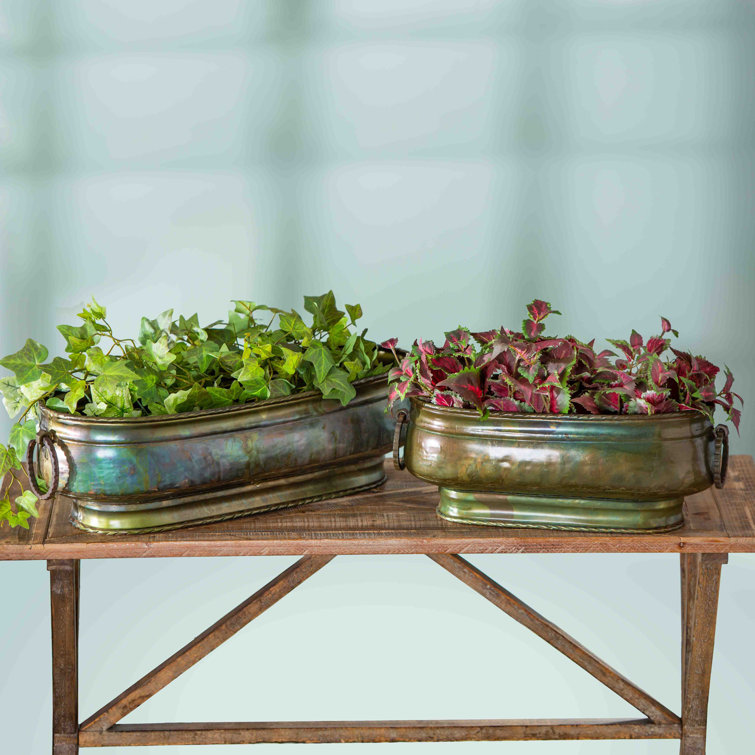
(729,380)
(657,345)
(560,360)
(624,347)
(390,345)
(403,389)
(666,327)
(586,402)
(448,365)
(485,336)
(658,401)
(559,399)
(491,353)
(458,342)
(701,364)
(467,384)
(539,310)
(447,398)
(496,404)
(529,371)
(557,396)
(735,416)
(532,329)
(659,374)
(404,370)
(610,400)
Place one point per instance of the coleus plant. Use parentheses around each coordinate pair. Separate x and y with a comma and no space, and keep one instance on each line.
(178,365)
(509,371)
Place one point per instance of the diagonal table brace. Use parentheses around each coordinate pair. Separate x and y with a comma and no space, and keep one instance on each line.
(206,642)
(555,636)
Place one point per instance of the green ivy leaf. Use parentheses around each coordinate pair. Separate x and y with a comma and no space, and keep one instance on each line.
(336,385)
(251,371)
(263,350)
(111,386)
(57,404)
(93,311)
(355,312)
(321,358)
(6,512)
(280,387)
(35,389)
(292,324)
(79,339)
(324,310)
(159,352)
(220,396)
(339,334)
(59,370)
(26,363)
(290,361)
(202,356)
(20,435)
(348,347)
(256,391)
(151,330)
(193,399)
(176,401)
(354,367)
(13,399)
(112,399)
(76,392)
(27,502)
(8,460)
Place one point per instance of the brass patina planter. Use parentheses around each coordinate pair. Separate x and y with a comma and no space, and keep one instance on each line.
(160,472)
(604,472)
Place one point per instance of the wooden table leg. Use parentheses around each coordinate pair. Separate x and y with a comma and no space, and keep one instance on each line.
(64,605)
(701,577)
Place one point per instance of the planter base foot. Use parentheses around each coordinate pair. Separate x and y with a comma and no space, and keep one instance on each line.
(593,514)
(230,503)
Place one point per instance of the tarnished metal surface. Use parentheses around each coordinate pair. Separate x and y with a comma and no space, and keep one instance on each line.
(609,472)
(150,473)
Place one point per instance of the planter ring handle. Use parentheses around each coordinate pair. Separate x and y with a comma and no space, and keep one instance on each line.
(721,455)
(46,440)
(402,418)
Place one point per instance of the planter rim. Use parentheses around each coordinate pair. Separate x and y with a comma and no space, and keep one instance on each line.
(249,407)
(548,417)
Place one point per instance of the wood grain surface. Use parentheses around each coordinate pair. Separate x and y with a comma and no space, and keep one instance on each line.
(398,517)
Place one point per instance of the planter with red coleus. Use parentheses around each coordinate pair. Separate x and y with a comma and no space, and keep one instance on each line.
(521,429)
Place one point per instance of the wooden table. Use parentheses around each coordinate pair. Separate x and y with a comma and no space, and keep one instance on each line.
(397,518)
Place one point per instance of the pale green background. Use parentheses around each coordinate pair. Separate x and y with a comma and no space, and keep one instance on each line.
(439,162)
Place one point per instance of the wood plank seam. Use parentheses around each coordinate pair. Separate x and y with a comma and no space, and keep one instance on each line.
(556,637)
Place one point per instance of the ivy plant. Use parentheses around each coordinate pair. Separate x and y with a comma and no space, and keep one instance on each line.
(525,371)
(178,365)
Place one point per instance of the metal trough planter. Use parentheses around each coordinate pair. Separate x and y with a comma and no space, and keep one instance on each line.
(625,473)
(151,473)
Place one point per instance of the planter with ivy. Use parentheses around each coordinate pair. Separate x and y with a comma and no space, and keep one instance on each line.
(194,423)
(523,430)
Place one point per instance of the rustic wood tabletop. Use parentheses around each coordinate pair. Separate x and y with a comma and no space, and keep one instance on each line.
(398,517)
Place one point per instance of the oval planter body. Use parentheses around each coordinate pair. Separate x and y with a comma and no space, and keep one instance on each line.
(605,472)
(160,472)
